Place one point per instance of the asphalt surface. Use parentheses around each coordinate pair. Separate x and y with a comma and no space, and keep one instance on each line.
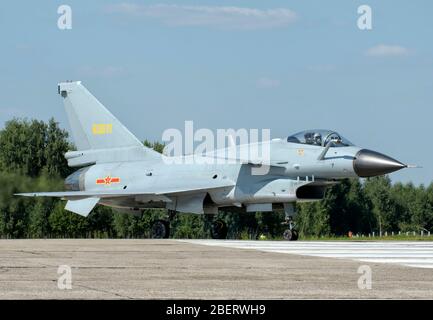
(210,269)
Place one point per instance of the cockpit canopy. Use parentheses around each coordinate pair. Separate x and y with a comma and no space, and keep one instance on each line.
(319,137)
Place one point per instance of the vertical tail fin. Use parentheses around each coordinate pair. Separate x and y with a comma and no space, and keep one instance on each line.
(93,126)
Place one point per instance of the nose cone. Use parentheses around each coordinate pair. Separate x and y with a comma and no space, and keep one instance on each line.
(368,163)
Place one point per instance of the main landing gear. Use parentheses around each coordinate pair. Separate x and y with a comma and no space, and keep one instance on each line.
(290,234)
(161,228)
(218,229)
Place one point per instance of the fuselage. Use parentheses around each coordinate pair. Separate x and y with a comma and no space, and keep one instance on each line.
(230,182)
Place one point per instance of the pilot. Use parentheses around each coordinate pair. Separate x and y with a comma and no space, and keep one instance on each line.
(317,139)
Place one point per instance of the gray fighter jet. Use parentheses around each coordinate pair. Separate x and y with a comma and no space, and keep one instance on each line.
(117,170)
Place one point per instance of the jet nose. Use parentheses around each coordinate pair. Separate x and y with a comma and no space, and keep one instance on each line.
(368,163)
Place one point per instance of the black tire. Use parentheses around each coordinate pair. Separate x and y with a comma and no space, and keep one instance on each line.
(218,229)
(160,229)
(287,235)
(290,235)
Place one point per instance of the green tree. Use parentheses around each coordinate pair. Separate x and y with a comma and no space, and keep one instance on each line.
(31,146)
(66,224)
(188,226)
(268,223)
(157,146)
(429,209)
(384,206)
(312,219)
(56,146)
(101,223)
(414,207)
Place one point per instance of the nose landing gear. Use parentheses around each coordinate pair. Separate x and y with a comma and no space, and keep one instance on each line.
(290,234)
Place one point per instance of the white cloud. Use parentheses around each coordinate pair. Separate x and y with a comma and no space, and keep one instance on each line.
(266,83)
(221,17)
(383,50)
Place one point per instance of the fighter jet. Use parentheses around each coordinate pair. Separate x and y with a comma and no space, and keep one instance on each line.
(117,170)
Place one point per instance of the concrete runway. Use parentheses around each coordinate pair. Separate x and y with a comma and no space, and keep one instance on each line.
(209,269)
(412,254)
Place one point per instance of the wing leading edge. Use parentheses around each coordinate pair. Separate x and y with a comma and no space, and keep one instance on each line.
(117,193)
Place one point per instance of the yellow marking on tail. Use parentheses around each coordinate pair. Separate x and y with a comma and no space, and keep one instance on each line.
(102,128)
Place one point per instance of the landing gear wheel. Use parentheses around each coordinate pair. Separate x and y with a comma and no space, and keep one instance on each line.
(160,229)
(218,229)
(290,235)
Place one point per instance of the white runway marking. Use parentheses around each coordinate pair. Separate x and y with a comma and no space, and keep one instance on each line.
(408,253)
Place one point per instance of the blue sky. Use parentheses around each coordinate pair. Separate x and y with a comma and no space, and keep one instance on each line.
(283,65)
